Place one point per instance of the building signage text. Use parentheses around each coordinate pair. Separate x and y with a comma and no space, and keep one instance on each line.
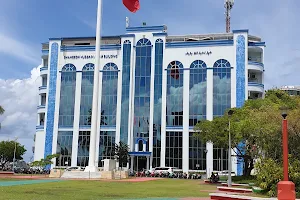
(90,57)
(198,53)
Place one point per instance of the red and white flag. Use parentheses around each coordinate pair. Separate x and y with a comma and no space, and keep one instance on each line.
(132,5)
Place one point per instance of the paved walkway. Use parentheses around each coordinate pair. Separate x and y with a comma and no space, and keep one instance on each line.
(25,182)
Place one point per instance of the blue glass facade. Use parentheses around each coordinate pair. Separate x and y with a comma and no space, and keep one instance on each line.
(106,146)
(159,49)
(221,87)
(83,148)
(221,102)
(86,94)
(125,91)
(109,95)
(175,94)
(198,89)
(64,148)
(67,96)
(142,90)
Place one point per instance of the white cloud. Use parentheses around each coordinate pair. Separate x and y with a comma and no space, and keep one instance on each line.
(18,49)
(19,98)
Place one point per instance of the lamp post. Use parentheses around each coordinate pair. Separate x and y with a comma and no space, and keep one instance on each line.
(285,188)
(14,154)
(230,112)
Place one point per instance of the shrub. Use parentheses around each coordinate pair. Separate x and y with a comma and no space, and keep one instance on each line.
(270,172)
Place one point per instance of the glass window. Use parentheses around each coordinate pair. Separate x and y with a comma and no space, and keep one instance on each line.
(109,94)
(173,152)
(142,90)
(83,148)
(221,87)
(221,102)
(197,154)
(64,148)
(106,146)
(125,91)
(159,45)
(67,95)
(197,92)
(86,94)
(175,94)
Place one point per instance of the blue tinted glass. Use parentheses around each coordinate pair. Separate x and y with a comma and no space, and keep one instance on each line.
(106,146)
(64,148)
(142,89)
(86,94)
(175,94)
(67,95)
(221,87)
(125,91)
(109,95)
(197,92)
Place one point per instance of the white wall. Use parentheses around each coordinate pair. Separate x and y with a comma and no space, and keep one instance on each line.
(39,145)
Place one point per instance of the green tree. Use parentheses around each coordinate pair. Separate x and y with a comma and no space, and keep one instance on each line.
(257,124)
(122,153)
(7,151)
(44,162)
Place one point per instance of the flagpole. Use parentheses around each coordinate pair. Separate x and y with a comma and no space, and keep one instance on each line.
(93,167)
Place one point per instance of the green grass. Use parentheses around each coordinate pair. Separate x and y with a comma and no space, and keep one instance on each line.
(95,190)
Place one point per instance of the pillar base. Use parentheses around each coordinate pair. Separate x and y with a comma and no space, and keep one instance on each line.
(286,190)
(91,169)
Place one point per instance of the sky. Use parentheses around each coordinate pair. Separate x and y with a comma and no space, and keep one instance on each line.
(25,24)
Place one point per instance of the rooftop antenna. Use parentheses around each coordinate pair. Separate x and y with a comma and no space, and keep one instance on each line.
(127,22)
(228,6)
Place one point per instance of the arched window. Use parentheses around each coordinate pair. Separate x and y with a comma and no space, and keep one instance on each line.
(67,95)
(86,102)
(125,91)
(109,94)
(159,50)
(175,94)
(197,92)
(221,87)
(221,102)
(142,89)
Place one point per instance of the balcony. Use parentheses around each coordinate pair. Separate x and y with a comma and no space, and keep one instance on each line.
(39,128)
(256,87)
(257,66)
(44,71)
(43,89)
(41,109)
(255,95)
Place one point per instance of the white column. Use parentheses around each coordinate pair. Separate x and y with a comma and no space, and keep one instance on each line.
(92,165)
(151,103)
(185,132)
(131,141)
(163,119)
(131,160)
(76,119)
(209,116)
(118,112)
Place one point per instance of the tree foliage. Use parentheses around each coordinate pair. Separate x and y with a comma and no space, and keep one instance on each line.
(44,162)
(122,153)
(258,126)
(7,151)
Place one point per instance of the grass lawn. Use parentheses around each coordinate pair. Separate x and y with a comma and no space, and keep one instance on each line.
(107,190)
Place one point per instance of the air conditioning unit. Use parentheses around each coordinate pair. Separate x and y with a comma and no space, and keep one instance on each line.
(253,75)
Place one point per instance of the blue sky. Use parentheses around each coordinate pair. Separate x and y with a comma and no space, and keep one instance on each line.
(25,24)
(31,22)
